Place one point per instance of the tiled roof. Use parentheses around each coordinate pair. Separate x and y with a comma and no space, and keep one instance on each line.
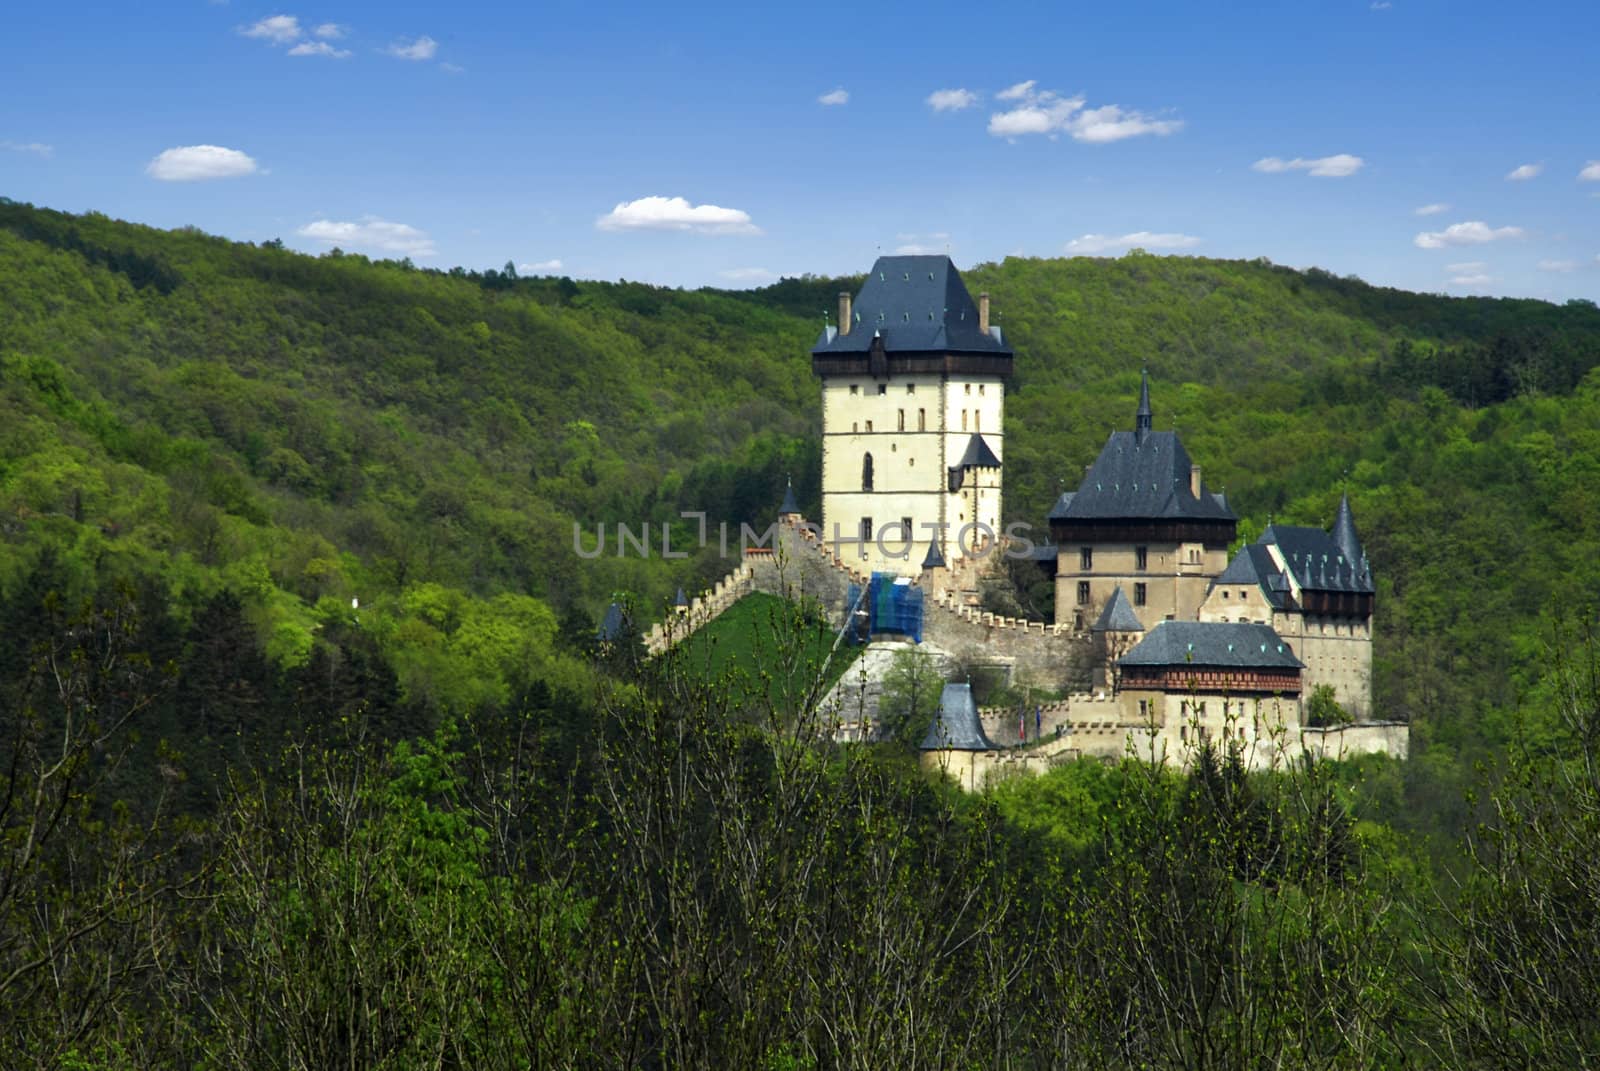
(1216,644)
(1139,477)
(917,304)
(956,727)
(1118,616)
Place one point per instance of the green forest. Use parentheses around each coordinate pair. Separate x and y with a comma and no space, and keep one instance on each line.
(311,755)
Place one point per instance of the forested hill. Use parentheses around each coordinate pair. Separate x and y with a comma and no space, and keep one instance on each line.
(226,424)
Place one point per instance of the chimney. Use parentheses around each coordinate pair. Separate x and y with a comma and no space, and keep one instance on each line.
(1194,480)
(844,312)
(983,313)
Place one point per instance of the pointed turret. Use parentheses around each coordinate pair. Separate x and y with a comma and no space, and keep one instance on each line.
(790,507)
(957,726)
(681,603)
(1144,420)
(934,559)
(1344,532)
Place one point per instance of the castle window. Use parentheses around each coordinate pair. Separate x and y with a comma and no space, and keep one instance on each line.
(854,389)
(969,388)
(1086,558)
(922,420)
(1138,594)
(911,388)
(1083,593)
(869,425)
(905,529)
(866,471)
(1141,558)
(977,420)
(883,388)
(980,388)
(963,420)
(855,425)
(866,534)
(1226,593)
(902,420)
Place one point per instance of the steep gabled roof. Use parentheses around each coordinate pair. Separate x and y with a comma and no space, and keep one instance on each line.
(917,304)
(1213,644)
(789,504)
(956,727)
(1118,616)
(934,559)
(1316,560)
(1140,477)
(1344,531)
(1063,503)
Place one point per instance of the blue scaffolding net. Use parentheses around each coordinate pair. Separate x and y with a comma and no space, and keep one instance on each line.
(892,604)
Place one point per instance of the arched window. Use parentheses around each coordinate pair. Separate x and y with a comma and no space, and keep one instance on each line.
(866,473)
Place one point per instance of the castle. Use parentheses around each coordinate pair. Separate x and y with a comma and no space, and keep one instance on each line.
(1160,638)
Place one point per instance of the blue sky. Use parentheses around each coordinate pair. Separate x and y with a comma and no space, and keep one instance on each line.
(728,145)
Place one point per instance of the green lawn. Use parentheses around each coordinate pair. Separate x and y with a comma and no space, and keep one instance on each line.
(763,645)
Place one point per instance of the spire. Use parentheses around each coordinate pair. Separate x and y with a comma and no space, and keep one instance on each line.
(789,505)
(1144,419)
(1344,532)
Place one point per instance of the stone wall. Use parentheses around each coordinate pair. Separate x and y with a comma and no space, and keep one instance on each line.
(702,609)
(1362,738)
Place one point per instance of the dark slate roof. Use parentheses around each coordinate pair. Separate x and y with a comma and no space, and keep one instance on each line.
(1139,477)
(956,727)
(1316,560)
(1253,566)
(1344,532)
(789,504)
(934,559)
(681,600)
(918,305)
(1231,645)
(977,455)
(1060,508)
(1118,616)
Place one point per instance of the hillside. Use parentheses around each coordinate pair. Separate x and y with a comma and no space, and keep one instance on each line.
(222,420)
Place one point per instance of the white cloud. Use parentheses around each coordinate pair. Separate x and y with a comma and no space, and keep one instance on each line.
(749,275)
(319,48)
(922,245)
(279,29)
(542,267)
(1340,165)
(1558,265)
(1590,172)
(423,48)
(835,96)
(329,31)
(451,68)
(1432,210)
(675,214)
(1466,267)
(1473,232)
(37,148)
(193,163)
(951,100)
(1525,172)
(1100,243)
(1381,5)
(1474,280)
(371,233)
(1046,112)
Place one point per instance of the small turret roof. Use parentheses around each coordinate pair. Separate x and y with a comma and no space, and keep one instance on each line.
(956,727)
(1118,616)
(789,504)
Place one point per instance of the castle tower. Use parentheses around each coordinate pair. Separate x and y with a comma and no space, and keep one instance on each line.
(913,403)
(1143,521)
